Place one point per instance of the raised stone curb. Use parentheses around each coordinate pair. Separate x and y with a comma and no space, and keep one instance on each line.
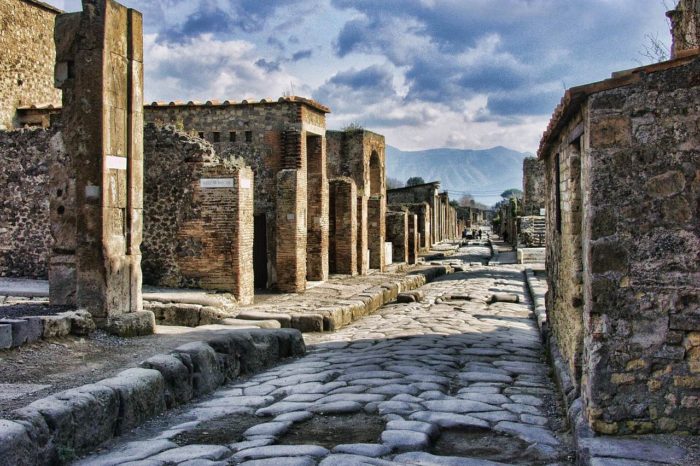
(19,331)
(78,420)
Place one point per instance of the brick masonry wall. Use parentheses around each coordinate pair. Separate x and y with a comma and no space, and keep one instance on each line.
(350,154)
(196,236)
(413,239)
(642,248)
(563,254)
(427,193)
(291,232)
(343,226)
(397,234)
(533,186)
(269,137)
(27,58)
(25,236)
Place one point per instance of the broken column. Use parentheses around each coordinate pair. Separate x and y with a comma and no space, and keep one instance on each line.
(343,226)
(96,197)
(397,234)
(685,27)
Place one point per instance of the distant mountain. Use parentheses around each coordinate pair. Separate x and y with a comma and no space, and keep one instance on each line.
(483,173)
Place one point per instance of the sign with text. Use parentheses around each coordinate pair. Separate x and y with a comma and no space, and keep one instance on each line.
(211,183)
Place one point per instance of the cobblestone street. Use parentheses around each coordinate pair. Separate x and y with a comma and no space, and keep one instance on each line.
(454,379)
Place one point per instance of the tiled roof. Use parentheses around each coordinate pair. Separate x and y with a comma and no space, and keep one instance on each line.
(574,97)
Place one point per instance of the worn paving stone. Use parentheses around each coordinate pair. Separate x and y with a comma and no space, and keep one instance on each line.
(415,368)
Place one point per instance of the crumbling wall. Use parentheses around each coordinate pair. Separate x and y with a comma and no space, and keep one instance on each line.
(25,236)
(27,58)
(343,226)
(198,215)
(533,186)
(641,177)
(685,26)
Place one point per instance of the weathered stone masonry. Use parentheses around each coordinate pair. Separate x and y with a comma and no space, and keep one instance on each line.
(623,188)
(25,237)
(275,139)
(361,156)
(96,197)
(198,216)
(343,226)
(26,68)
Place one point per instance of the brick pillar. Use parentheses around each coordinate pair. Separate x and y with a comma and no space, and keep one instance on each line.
(413,239)
(343,220)
(362,241)
(243,237)
(397,234)
(317,209)
(376,231)
(290,237)
(99,68)
(426,228)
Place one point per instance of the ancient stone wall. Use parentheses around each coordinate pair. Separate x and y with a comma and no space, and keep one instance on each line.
(376,231)
(533,186)
(532,231)
(413,238)
(25,237)
(27,57)
(641,184)
(198,215)
(397,235)
(427,193)
(563,254)
(343,226)
(270,137)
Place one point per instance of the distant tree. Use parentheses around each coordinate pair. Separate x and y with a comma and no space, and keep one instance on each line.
(415,180)
(394,183)
(467,200)
(512,192)
(454,203)
(353,126)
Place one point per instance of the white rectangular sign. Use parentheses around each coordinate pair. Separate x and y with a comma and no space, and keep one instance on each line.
(216,183)
(116,163)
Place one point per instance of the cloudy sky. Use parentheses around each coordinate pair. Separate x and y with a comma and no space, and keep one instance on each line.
(426,73)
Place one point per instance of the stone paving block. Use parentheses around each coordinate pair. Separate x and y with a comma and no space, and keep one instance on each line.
(16,448)
(132,324)
(280,450)
(527,433)
(20,330)
(434,460)
(371,450)
(307,322)
(189,452)
(632,450)
(132,451)
(448,420)
(343,459)
(141,396)
(285,320)
(5,336)
(177,377)
(405,440)
(201,359)
(282,460)
(35,328)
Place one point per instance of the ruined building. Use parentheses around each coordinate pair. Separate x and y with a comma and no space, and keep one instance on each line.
(622,169)
(531,223)
(284,143)
(360,156)
(28,53)
(440,218)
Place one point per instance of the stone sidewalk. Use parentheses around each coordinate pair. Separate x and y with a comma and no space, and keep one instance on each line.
(456,379)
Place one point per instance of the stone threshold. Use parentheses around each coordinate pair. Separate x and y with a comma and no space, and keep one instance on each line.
(77,421)
(592,449)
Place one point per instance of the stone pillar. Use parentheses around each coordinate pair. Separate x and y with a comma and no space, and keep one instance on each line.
(685,26)
(243,238)
(376,231)
(291,232)
(343,223)
(317,209)
(362,241)
(99,68)
(397,234)
(413,239)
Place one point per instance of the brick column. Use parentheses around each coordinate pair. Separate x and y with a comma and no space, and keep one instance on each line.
(413,239)
(362,241)
(376,231)
(317,209)
(290,234)
(397,234)
(343,222)
(243,236)
(99,68)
